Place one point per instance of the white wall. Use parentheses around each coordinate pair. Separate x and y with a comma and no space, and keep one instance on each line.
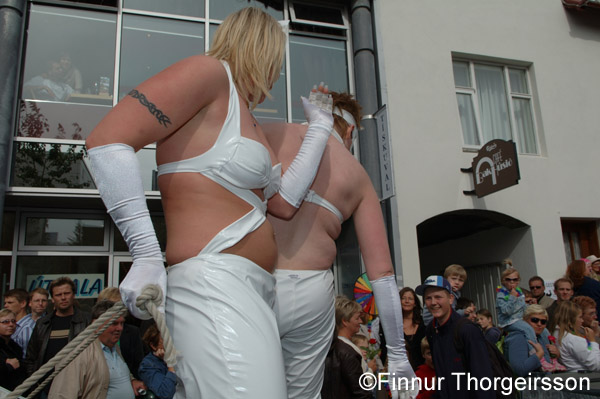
(417,40)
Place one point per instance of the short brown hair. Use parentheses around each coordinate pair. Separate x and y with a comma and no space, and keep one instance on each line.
(563,280)
(151,336)
(61,281)
(41,291)
(455,270)
(18,293)
(536,278)
(424,345)
(584,302)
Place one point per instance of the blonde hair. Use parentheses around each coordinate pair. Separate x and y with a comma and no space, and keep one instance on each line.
(533,310)
(424,345)
(345,309)
(358,338)
(253,44)
(455,270)
(109,294)
(509,269)
(565,318)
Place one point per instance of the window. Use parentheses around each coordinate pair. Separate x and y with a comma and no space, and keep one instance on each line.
(63,232)
(580,239)
(495,102)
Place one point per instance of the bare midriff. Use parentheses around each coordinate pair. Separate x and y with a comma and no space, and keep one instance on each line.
(196,209)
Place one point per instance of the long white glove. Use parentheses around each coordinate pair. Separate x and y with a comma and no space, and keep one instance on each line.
(116,172)
(299,176)
(389,308)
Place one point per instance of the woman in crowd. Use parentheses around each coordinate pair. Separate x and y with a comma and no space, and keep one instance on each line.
(588,314)
(343,365)
(491,332)
(414,328)
(158,377)
(12,372)
(516,345)
(216,174)
(578,351)
(583,284)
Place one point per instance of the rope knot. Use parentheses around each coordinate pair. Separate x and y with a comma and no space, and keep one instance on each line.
(152,293)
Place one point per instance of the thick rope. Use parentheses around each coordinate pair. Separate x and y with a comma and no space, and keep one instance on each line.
(149,300)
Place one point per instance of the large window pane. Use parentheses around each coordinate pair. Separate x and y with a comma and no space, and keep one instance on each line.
(68,51)
(57,232)
(467,119)
(189,8)
(160,228)
(69,121)
(149,45)
(50,165)
(88,272)
(525,129)
(493,105)
(4,274)
(8,230)
(222,8)
(314,60)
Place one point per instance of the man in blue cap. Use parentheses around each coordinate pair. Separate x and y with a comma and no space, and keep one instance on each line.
(453,365)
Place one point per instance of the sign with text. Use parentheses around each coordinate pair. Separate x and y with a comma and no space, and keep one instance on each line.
(385,156)
(495,167)
(86,285)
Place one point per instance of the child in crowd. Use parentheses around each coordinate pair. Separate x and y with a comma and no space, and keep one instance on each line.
(490,332)
(510,305)
(456,275)
(426,373)
(159,378)
(362,343)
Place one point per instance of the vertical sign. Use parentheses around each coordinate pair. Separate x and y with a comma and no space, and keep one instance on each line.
(385,159)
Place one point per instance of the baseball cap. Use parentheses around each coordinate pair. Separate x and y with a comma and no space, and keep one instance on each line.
(592,258)
(434,281)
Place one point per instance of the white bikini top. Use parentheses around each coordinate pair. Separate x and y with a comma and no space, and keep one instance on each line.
(238,164)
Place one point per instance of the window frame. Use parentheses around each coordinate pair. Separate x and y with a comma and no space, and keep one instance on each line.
(510,95)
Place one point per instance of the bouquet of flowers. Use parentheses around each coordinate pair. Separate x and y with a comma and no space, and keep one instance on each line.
(371,349)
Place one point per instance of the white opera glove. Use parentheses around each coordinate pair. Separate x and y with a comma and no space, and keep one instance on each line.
(299,176)
(389,308)
(116,172)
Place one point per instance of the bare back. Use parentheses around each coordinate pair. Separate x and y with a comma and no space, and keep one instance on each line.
(307,241)
(194,95)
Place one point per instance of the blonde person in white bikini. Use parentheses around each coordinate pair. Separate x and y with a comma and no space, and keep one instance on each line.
(217,172)
(305,293)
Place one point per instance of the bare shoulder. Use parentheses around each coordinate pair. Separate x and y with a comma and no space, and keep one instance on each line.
(284,138)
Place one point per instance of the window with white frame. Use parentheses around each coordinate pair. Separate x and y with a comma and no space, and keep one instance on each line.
(495,102)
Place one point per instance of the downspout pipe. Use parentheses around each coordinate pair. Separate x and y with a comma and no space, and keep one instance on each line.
(12,25)
(365,71)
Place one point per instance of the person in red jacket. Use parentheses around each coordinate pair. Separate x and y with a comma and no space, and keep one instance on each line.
(426,372)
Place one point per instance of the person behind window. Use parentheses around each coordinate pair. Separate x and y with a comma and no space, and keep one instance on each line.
(49,84)
(70,74)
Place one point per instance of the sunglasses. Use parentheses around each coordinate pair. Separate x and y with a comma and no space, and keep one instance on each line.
(512,280)
(535,320)
(8,321)
(535,287)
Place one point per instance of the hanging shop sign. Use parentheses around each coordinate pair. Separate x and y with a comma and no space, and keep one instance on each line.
(86,285)
(495,167)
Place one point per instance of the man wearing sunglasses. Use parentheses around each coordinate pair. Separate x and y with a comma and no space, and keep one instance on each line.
(536,286)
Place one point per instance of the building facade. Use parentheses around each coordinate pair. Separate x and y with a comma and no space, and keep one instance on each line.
(437,82)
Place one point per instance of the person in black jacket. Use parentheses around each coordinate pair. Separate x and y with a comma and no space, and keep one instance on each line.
(343,365)
(474,359)
(53,331)
(12,372)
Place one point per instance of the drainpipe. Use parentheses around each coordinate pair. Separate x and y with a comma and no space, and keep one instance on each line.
(365,73)
(12,25)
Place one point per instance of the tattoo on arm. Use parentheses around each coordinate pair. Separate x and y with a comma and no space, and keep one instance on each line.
(162,118)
